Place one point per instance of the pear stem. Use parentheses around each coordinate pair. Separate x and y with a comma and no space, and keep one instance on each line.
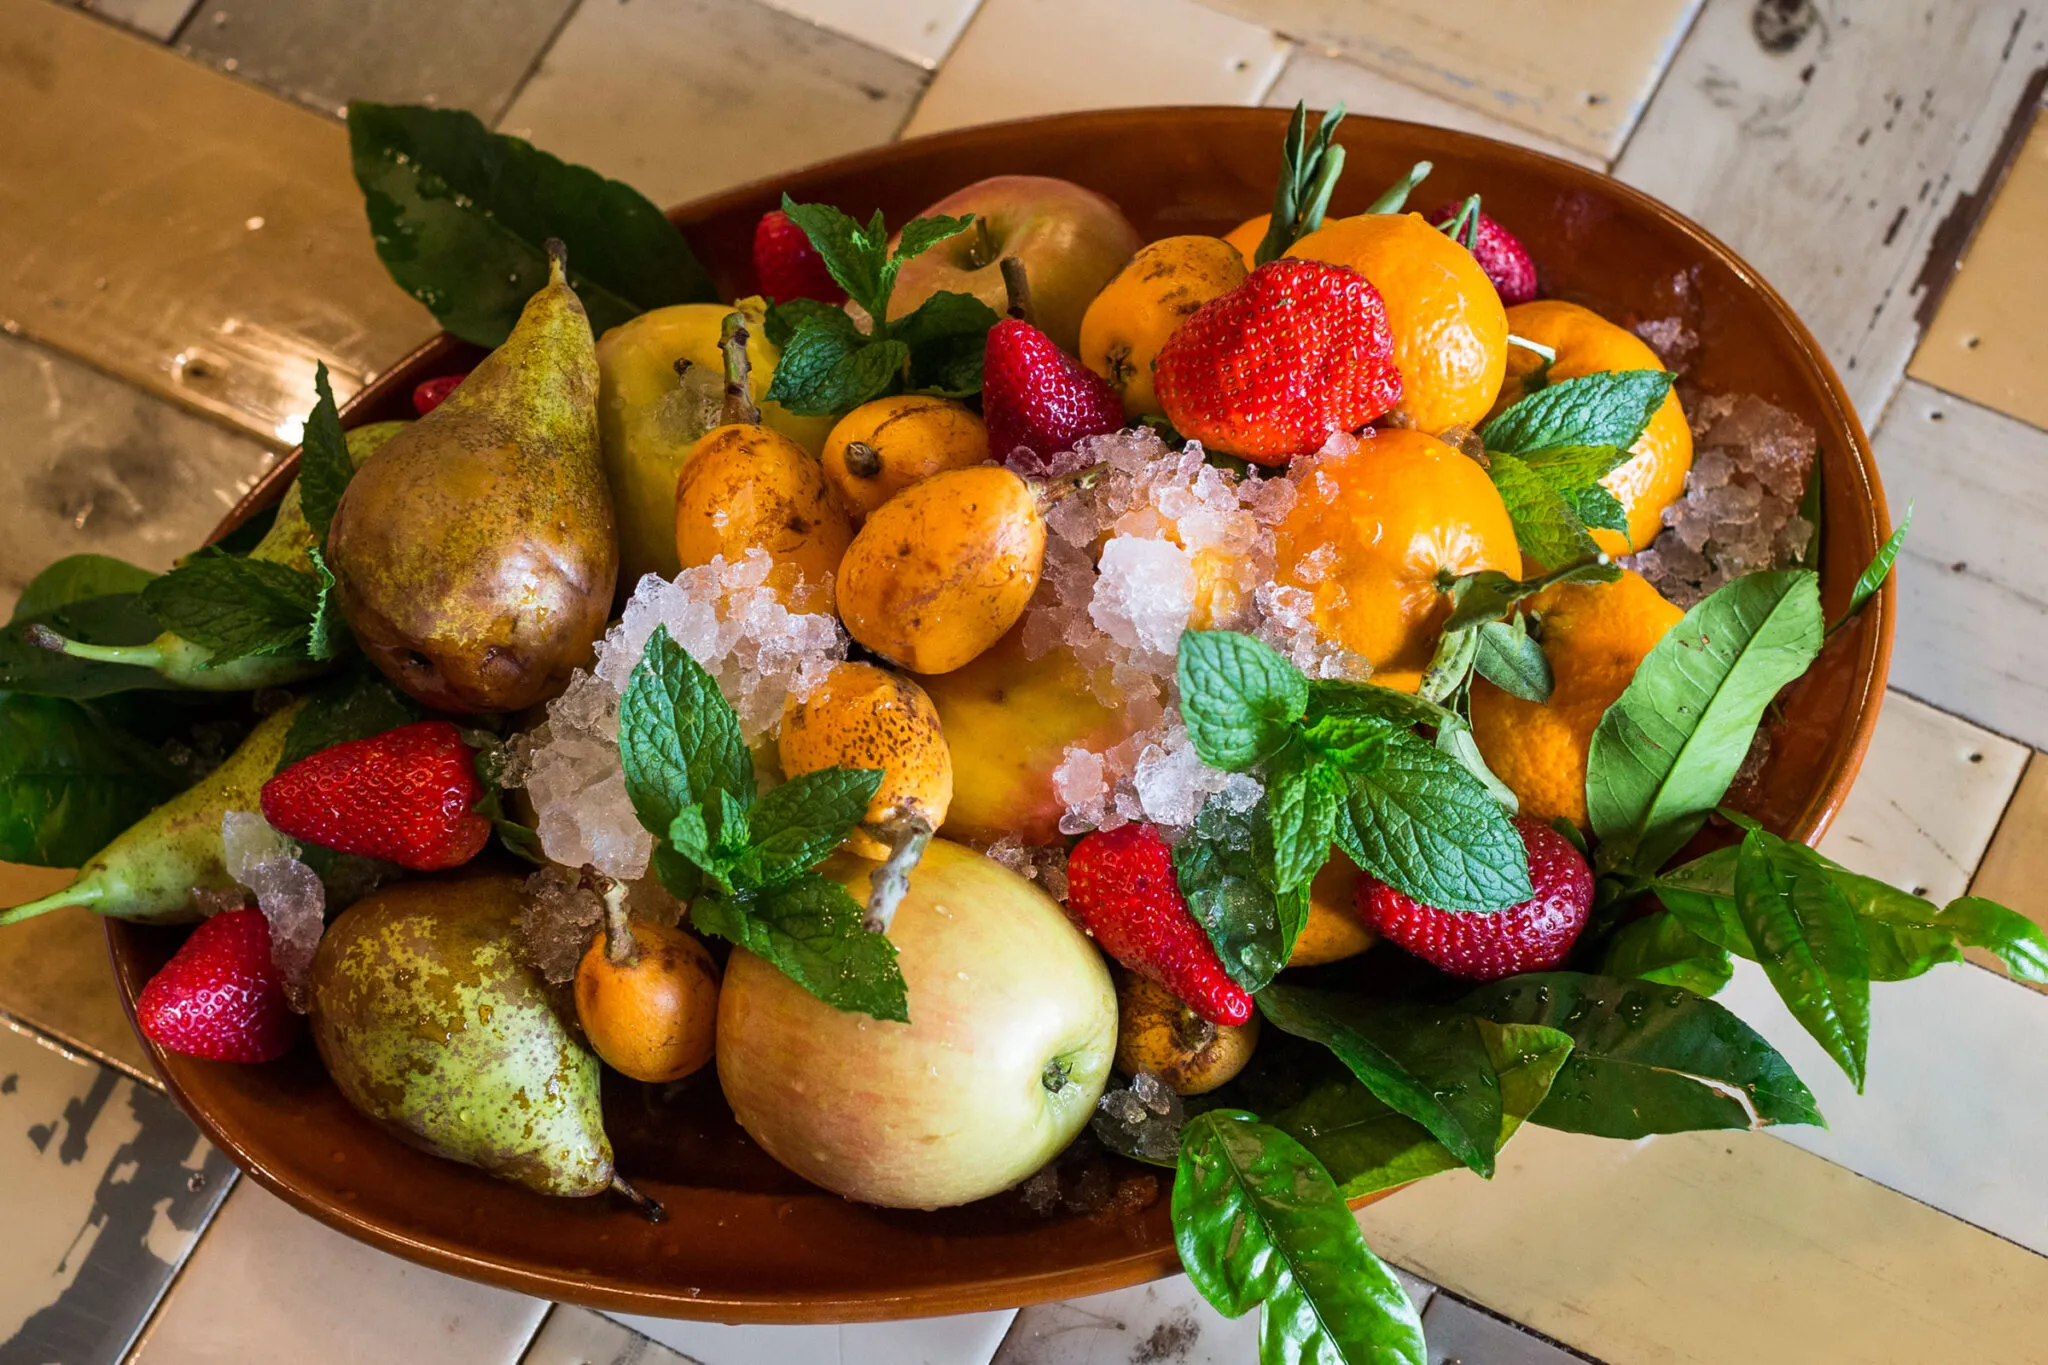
(907,836)
(650,1208)
(732,346)
(142,656)
(73,894)
(1018,286)
(558,260)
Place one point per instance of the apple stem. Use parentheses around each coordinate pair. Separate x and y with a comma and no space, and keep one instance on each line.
(982,249)
(650,1208)
(907,835)
(1018,287)
(732,345)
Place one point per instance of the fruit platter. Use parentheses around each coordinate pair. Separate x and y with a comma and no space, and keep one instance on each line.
(992,719)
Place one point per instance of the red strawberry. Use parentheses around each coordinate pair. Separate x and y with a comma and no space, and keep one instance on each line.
(432,393)
(1298,352)
(1500,254)
(1036,397)
(787,266)
(1531,937)
(219,997)
(406,796)
(1120,885)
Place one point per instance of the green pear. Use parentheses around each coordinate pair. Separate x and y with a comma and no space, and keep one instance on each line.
(431,1024)
(154,869)
(474,555)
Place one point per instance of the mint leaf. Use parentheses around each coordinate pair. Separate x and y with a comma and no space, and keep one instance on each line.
(690,835)
(852,253)
(1226,874)
(1347,740)
(1808,944)
(796,824)
(1455,738)
(328,634)
(679,740)
(827,369)
(1367,1145)
(811,930)
(1646,1058)
(1425,826)
(1610,408)
(70,782)
(1666,750)
(1547,524)
(1874,574)
(1304,799)
(459,215)
(75,578)
(1239,697)
(238,608)
(1425,1062)
(948,337)
(1256,1219)
(324,464)
(1660,948)
(1513,662)
(1488,594)
(918,236)
(783,319)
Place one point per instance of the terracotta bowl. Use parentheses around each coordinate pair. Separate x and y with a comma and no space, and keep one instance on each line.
(748,1242)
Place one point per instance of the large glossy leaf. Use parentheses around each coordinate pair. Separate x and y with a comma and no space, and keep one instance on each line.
(75,578)
(1258,1221)
(69,782)
(1806,938)
(1647,1058)
(1367,1145)
(1660,948)
(1665,752)
(1427,1063)
(460,216)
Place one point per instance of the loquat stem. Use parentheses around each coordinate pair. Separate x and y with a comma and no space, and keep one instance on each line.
(732,346)
(619,948)
(863,461)
(907,836)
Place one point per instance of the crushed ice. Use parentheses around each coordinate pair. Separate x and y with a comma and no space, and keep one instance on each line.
(1142,1119)
(287,891)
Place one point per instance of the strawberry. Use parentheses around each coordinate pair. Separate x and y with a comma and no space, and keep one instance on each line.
(1036,397)
(1298,352)
(432,393)
(787,266)
(407,796)
(1499,252)
(219,996)
(1120,885)
(1531,937)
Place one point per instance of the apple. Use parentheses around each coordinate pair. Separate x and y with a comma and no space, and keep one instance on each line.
(1071,240)
(1011,1034)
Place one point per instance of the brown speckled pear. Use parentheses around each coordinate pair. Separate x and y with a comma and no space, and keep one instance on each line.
(475,554)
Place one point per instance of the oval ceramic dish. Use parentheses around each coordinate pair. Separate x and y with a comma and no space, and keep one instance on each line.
(746,1241)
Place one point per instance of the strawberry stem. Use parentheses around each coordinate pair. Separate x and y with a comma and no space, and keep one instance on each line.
(1309,167)
(907,836)
(732,346)
(1018,286)
(1395,196)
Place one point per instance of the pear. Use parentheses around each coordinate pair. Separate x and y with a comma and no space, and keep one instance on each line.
(474,555)
(178,661)
(431,1025)
(154,869)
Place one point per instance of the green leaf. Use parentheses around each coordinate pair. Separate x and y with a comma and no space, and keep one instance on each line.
(783,319)
(1600,510)
(354,706)
(1457,740)
(2009,936)
(324,464)
(852,253)
(811,929)
(918,236)
(70,782)
(1349,741)
(1226,874)
(1808,944)
(1304,797)
(1701,895)
(327,635)
(1309,170)
(1513,662)
(1880,568)
(1647,1058)
(827,370)
(1547,524)
(1425,826)
(679,739)
(1256,1219)
(115,619)
(1487,594)
(460,216)
(1660,948)
(947,335)
(1239,697)
(689,835)
(238,608)
(73,579)
(1427,1063)
(1356,699)
(1666,750)
(1366,1145)
(1610,409)
(796,824)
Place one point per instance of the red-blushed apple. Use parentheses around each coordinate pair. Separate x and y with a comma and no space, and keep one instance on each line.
(1070,239)
(1012,1030)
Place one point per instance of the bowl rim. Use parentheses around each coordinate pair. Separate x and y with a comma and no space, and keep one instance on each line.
(1873,643)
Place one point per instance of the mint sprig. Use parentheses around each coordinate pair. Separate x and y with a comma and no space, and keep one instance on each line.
(239,608)
(690,778)
(1548,452)
(324,464)
(829,366)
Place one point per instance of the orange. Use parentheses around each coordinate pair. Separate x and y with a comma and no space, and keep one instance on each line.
(1594,635)
(1587,343)
(1450,331)
(1247,235)
(1375,535)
